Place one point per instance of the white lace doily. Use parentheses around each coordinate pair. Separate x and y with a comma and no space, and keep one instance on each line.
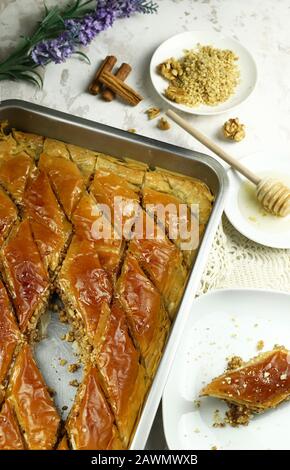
(235,261)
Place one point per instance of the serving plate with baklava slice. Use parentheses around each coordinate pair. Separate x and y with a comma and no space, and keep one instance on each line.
(230,383)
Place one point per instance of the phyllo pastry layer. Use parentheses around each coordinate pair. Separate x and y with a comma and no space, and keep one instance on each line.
(90,425)
(10,434)
(30,143)
(10,337)
(8,215)
(32,403)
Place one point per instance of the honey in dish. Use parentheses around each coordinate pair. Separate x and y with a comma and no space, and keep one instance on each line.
(255,214)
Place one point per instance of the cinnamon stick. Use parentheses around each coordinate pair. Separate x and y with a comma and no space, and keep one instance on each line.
(120,88)
(122,74)
(107,64)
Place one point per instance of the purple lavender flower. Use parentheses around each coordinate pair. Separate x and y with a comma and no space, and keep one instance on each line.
(83,31)
(55,50)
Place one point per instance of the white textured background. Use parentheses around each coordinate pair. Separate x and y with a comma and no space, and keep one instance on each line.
(261,25)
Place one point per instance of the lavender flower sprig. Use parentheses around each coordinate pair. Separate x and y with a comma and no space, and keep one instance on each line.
(61,34)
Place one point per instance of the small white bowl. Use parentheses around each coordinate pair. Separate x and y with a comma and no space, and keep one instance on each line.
(245,212)
(175,46)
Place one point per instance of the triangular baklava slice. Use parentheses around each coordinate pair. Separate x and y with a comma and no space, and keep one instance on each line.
(261,383)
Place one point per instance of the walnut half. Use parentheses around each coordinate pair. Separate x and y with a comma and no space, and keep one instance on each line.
(234,130)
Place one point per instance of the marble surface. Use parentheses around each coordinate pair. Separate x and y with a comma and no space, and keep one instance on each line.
(261,25)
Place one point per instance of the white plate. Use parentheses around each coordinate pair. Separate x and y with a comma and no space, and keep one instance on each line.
(247,215)
(175,46)
(224,323)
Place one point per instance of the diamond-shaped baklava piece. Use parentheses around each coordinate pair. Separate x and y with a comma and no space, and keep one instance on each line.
(10,434)
(122,376)
(14,172)
(261,383)
(179,223)
(86,291)
(119,196)
(49,225)
(109,248)
(10,337)
(66,179)
(188,190)
(32,403)
(31,143)
(8,215)
(25,275)
(131,171)
(55,148)
(85,160)
(146,315)
(160,260)
(90,425)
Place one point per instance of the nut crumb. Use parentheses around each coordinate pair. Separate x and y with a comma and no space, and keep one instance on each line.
(234,362)
(73,368)
(132,130)
(152,113)
(51,391)
(74,383)
(62,316)
(214,448)
(70,337)
(64,407)
(234,130)
(62,362)
(260,345)
(196,403)
(163,124)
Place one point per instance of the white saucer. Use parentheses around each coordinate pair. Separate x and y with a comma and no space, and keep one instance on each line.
(175,46)
(247,216)
(224,323)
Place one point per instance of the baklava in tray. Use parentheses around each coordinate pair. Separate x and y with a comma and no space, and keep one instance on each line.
(120,292)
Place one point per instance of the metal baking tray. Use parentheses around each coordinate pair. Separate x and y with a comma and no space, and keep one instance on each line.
(50,123)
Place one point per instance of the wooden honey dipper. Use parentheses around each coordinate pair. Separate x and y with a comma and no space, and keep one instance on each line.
(272,194)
